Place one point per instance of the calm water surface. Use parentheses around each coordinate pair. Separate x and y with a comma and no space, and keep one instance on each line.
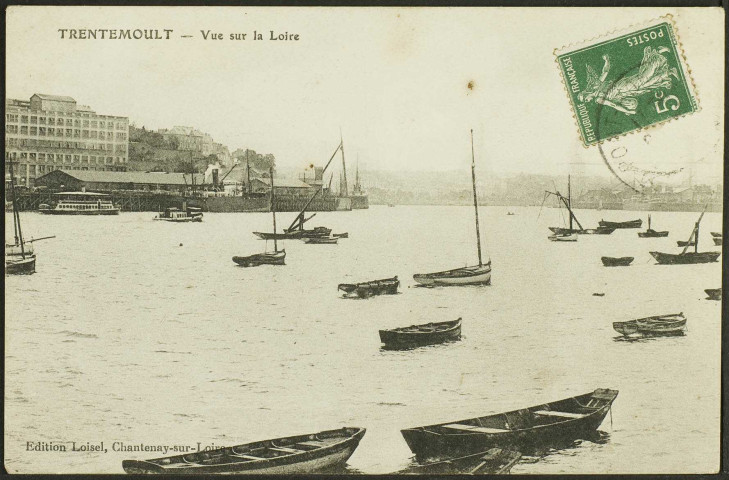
(138,331)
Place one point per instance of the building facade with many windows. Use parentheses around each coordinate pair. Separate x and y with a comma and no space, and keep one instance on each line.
(51,132)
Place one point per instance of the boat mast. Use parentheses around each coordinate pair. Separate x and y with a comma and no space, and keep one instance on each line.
(649,222)
(695,234)
(344,165)
(569,199)
(475,200)
(16,214)
(273,210)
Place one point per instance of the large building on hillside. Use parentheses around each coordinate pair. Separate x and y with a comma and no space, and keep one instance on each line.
(51,132)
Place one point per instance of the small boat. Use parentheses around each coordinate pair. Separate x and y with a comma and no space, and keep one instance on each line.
(673,324)
(567,202)
(297,455)
(650,233)
(341,235)
(386,286)
(80,203)
(294,234)
(184,215)
(616,261)
(277,257)
(418,335)
(510,213)
(20,256)
(495,461)
(563,237)
(476,275)
(321,240)
(685,257)
(548,423)
(683,243)
(628,224)
(716,234)
(598,294)
(583,231)
(713,293)
(717,241)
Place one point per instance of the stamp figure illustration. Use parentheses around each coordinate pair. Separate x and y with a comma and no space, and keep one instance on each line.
(643,81)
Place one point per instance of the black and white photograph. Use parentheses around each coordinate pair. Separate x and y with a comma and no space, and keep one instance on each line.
(363,240)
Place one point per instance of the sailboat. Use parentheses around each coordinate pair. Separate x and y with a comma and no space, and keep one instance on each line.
(476,275)
(650,233)
(19,257)
(686,257)
(277,257)
(567,201)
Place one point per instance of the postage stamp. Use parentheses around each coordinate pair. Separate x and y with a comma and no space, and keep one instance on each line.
(627,81)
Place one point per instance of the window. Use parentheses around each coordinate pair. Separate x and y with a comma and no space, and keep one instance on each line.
(102,124)
(34,130)
(69,132)
(33,119)
(42,120)
(23,130)
(11,117)
(68,158)
(77,133)
(42,131)
(86,123)
(75,159)
(51,121)
(42,157)
(24,118)
(11,129)
(85,134)
(94,124)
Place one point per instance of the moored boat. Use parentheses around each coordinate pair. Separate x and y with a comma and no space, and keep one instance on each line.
(321,240)
(716,234)
(567,202)
(548,423)
(19,256)
(20,265)
(184,215)
(672,324)
(475,275)
(294,234)
(629,224)
(419,335)
(583,231)
(495,461)
(563,237)
(616,261)
(713,293)
(80,203)
(341,235)
(683,243)
(717,241)
(386,286)
(650,233)
(296,455)
(686,257)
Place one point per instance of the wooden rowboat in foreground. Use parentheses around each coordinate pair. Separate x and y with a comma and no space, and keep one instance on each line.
(548,423)
(418,335)
(495,461)
(301,454)
(616,261)
(659,325)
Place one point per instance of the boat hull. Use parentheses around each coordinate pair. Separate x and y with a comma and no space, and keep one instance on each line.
(15,265)
(277,258)
(563,237)
(495,461)
(321,240)
(685,258)
(430,441)
(478,275)
(399,339)
(320,460)
(713,293)
(616,262)
(587,231)
(629,224)
(386,286)
(667,325)
(717,241)
(52,211)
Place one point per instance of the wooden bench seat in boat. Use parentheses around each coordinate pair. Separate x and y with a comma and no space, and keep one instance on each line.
(312,443)
(286,450)
(473,428)
(551,413)
(246,457)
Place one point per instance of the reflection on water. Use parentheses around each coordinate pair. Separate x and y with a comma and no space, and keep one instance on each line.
(146,333)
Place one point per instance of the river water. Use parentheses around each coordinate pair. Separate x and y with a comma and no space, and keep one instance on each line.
(134,331)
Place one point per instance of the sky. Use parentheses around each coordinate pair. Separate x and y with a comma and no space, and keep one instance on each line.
(393,81)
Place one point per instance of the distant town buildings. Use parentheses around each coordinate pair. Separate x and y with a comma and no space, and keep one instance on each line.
(50,132)
(98,181)
(192,139)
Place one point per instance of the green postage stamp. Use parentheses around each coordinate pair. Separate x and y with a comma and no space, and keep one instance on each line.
(627,81)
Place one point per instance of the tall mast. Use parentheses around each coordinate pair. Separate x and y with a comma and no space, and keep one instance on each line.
(273,210)
(649,221)
(475,200)
(16,214)
(248,173)
(344,165)
(569,198)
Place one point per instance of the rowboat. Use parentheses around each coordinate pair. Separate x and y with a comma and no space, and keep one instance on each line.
(713,293)
(341,235)
(686,257)
(628,224)
(616,261)
(321,240)
(386,286)
(716,234)
(418,335)
(301,454)
(277,257)
(673,324)
(583,231)
(650,233)
(563,237)
(549,423)
(683,243)
(272,258)
(495,461)
(294,234)
(717,241)
(476,275)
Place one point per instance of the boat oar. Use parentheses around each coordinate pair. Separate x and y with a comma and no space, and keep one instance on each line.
(39,239)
